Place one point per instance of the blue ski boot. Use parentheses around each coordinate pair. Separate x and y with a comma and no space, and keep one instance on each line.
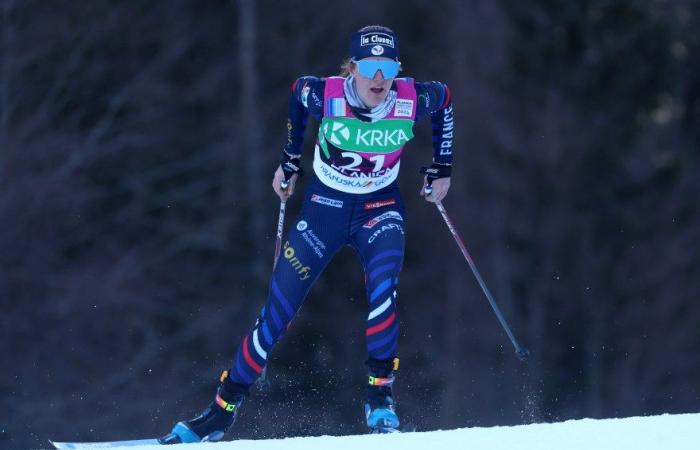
(211,425)
(379,409)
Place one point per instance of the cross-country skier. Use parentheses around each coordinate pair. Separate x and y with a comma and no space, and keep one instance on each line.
(367,116)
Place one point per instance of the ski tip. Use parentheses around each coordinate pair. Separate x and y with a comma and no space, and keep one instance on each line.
(409,428)
(63,445)
(102,444)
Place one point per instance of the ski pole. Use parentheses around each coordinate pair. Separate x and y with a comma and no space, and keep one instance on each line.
(520,352)
(284,185)
(262,381)
(280,229)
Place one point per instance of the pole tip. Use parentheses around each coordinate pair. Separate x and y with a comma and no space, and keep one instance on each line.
(522,354)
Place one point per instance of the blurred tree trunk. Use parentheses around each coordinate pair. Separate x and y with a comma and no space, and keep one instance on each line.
(6,107)
(600,316)
(474,57)
(451,369)
(252,190)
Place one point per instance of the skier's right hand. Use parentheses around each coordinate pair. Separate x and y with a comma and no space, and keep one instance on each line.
(283,194)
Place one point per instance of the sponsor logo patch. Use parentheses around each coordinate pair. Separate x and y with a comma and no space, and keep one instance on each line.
(382,229)
(314,242)
(387,215)
(337,132)
(302,225)
(348,181)
(380,203)
(377,38)
(383,137)
(299,267)
(377,50)
(403,108)
(326,201)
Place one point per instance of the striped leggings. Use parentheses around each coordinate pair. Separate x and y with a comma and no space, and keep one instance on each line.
(373,225)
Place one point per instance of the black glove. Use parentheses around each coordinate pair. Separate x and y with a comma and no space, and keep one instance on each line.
(435,172)
(290,166)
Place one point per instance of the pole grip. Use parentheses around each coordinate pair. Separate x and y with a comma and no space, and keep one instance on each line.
(280,230)
(428,188)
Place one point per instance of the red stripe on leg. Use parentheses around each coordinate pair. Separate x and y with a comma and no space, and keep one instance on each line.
(248,359)
(381,326)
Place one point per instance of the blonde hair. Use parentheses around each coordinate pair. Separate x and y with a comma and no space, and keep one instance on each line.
(345,67)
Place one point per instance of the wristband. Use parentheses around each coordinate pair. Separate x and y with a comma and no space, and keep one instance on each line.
(436,171)
(290,166)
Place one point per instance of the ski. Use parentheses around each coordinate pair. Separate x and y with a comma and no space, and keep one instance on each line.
(103,444)
(408,428)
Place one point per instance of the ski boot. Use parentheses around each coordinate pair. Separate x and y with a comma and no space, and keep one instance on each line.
(379,409)
(218,417)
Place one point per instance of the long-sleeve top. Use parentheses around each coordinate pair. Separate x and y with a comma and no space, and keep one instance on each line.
(434,99)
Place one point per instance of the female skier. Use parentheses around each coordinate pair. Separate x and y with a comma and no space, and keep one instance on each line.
(367,117)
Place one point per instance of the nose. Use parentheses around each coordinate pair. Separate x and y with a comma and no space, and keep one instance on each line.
(378,76)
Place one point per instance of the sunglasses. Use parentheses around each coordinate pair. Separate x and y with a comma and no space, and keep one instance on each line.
(368,68)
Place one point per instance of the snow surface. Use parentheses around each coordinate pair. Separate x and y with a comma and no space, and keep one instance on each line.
(666,432)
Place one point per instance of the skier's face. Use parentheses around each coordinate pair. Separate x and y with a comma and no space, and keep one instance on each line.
(372,85)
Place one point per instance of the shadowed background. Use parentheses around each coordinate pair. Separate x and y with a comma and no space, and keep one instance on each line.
(137,146)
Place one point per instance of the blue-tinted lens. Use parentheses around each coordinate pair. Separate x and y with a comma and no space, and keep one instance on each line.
(369,67)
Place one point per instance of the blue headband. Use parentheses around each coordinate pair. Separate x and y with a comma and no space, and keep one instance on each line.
(374,43)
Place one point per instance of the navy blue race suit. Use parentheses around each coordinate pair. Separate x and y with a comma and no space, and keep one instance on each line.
(371,223)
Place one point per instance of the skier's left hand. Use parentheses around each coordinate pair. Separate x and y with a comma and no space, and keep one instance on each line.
(283,194)
(440,188)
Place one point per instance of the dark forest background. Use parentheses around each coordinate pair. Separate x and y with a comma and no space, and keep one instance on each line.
(137,145)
